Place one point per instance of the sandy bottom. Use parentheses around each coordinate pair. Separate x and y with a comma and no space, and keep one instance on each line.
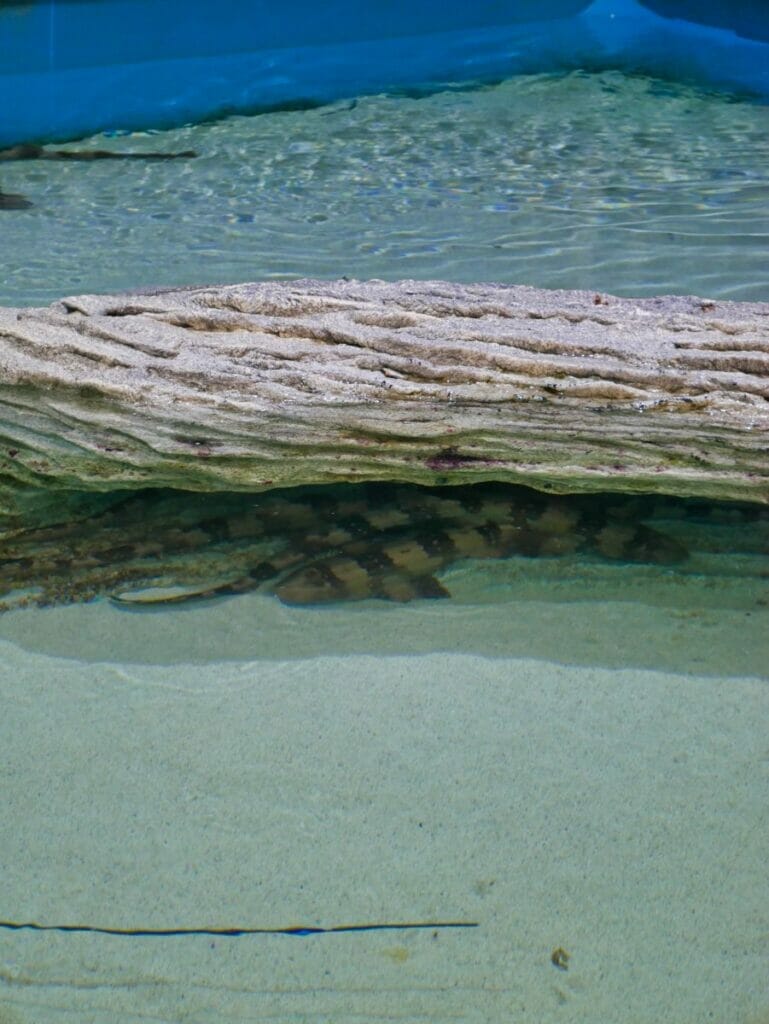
(616,812)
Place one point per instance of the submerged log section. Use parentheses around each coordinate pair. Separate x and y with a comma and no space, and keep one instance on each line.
(256,386)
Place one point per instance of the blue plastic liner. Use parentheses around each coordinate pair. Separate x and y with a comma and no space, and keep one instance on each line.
(69,68)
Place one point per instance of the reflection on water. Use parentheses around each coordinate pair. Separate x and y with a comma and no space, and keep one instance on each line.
(623,184)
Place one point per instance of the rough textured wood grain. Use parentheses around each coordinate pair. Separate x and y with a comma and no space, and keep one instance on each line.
(262,385)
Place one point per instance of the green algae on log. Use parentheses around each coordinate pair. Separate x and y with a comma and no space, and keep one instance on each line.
(254,386)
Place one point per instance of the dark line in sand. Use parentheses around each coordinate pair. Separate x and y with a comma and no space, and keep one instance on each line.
(234,932)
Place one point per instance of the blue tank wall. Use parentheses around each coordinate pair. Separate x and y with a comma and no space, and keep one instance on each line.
(748,18)
(719,43)
(72,67)
(84,33)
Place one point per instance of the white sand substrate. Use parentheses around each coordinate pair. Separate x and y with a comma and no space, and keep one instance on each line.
(619,813)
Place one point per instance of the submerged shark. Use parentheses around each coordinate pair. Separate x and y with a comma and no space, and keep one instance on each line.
(390,543)
(30,151)
(314,545)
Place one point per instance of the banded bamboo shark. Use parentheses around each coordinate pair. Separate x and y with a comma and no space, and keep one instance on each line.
(31,151)
(316,545)
(392,546)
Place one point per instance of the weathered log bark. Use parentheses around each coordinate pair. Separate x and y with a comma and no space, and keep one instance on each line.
(263,385)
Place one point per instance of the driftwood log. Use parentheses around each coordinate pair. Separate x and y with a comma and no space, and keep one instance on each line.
(256,386)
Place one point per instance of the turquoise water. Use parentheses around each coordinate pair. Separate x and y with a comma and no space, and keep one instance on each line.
(624,184)
(568,754)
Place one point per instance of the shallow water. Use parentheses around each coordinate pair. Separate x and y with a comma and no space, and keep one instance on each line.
(621,184)
(568,754)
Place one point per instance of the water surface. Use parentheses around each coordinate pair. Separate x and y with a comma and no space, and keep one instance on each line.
(610,182)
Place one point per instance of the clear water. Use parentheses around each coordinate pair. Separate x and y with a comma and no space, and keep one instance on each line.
(567,755)
(627,185)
